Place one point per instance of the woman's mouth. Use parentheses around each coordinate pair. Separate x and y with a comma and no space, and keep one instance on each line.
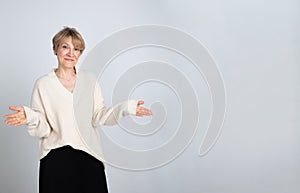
(69,59)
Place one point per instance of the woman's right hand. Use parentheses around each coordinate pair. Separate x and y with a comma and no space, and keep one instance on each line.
(18,118)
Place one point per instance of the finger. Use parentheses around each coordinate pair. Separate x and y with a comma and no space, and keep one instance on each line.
(14,115)
(10,122)
(20,112)
(15,121)
(140,102)
(143,112)
(10,116)
(13,108)
(11,119)
(148,113)
(16,108)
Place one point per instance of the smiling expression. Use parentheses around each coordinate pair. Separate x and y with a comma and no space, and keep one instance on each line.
(67,53)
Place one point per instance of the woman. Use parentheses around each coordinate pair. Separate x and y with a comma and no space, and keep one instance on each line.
(66,107)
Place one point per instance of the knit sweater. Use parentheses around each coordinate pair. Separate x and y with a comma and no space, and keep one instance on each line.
(59,117)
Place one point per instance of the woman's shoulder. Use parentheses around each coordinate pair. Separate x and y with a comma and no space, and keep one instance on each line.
(87,75)
(46,78)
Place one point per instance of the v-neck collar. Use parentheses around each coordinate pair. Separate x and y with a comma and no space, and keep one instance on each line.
(62,86)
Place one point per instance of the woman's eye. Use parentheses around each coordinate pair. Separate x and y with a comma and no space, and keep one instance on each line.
(77,50)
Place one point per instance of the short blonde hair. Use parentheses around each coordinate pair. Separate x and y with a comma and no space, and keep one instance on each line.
(65,33)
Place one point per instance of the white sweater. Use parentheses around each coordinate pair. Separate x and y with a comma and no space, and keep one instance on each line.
(58,117)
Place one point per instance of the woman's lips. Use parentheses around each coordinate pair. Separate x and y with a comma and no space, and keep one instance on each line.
(69,59)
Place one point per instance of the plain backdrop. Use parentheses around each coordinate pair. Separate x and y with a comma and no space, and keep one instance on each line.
(256,46)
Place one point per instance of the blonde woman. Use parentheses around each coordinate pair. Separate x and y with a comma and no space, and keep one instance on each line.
(66,106)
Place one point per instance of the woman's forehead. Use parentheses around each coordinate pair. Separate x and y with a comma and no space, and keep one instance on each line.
(68,40)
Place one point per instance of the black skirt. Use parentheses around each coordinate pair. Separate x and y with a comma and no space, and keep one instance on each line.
(67,170)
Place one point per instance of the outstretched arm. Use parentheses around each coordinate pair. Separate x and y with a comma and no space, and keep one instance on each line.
(110,116)
(34,117)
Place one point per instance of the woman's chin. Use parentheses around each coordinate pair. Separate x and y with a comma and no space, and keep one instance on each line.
(68,65)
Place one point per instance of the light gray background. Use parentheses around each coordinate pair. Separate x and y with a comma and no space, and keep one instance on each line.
(256,46)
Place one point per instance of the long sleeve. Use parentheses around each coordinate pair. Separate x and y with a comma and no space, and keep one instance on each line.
(37,124)
(110,116)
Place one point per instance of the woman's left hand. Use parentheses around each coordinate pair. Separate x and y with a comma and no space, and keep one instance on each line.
(141,111)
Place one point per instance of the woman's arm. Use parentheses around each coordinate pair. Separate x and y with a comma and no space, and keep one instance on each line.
(110,116)
(34,117)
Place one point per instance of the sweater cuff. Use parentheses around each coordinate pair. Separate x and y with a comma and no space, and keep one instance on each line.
(29,113)
(132,105)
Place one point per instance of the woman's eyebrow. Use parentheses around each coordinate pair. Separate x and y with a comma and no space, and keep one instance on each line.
(69,44)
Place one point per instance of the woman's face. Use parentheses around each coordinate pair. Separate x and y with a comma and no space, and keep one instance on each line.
(67,54)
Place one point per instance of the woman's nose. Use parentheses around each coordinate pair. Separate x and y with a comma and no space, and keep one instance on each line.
(71,52)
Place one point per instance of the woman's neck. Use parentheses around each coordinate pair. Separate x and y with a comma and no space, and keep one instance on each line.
(65,74)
